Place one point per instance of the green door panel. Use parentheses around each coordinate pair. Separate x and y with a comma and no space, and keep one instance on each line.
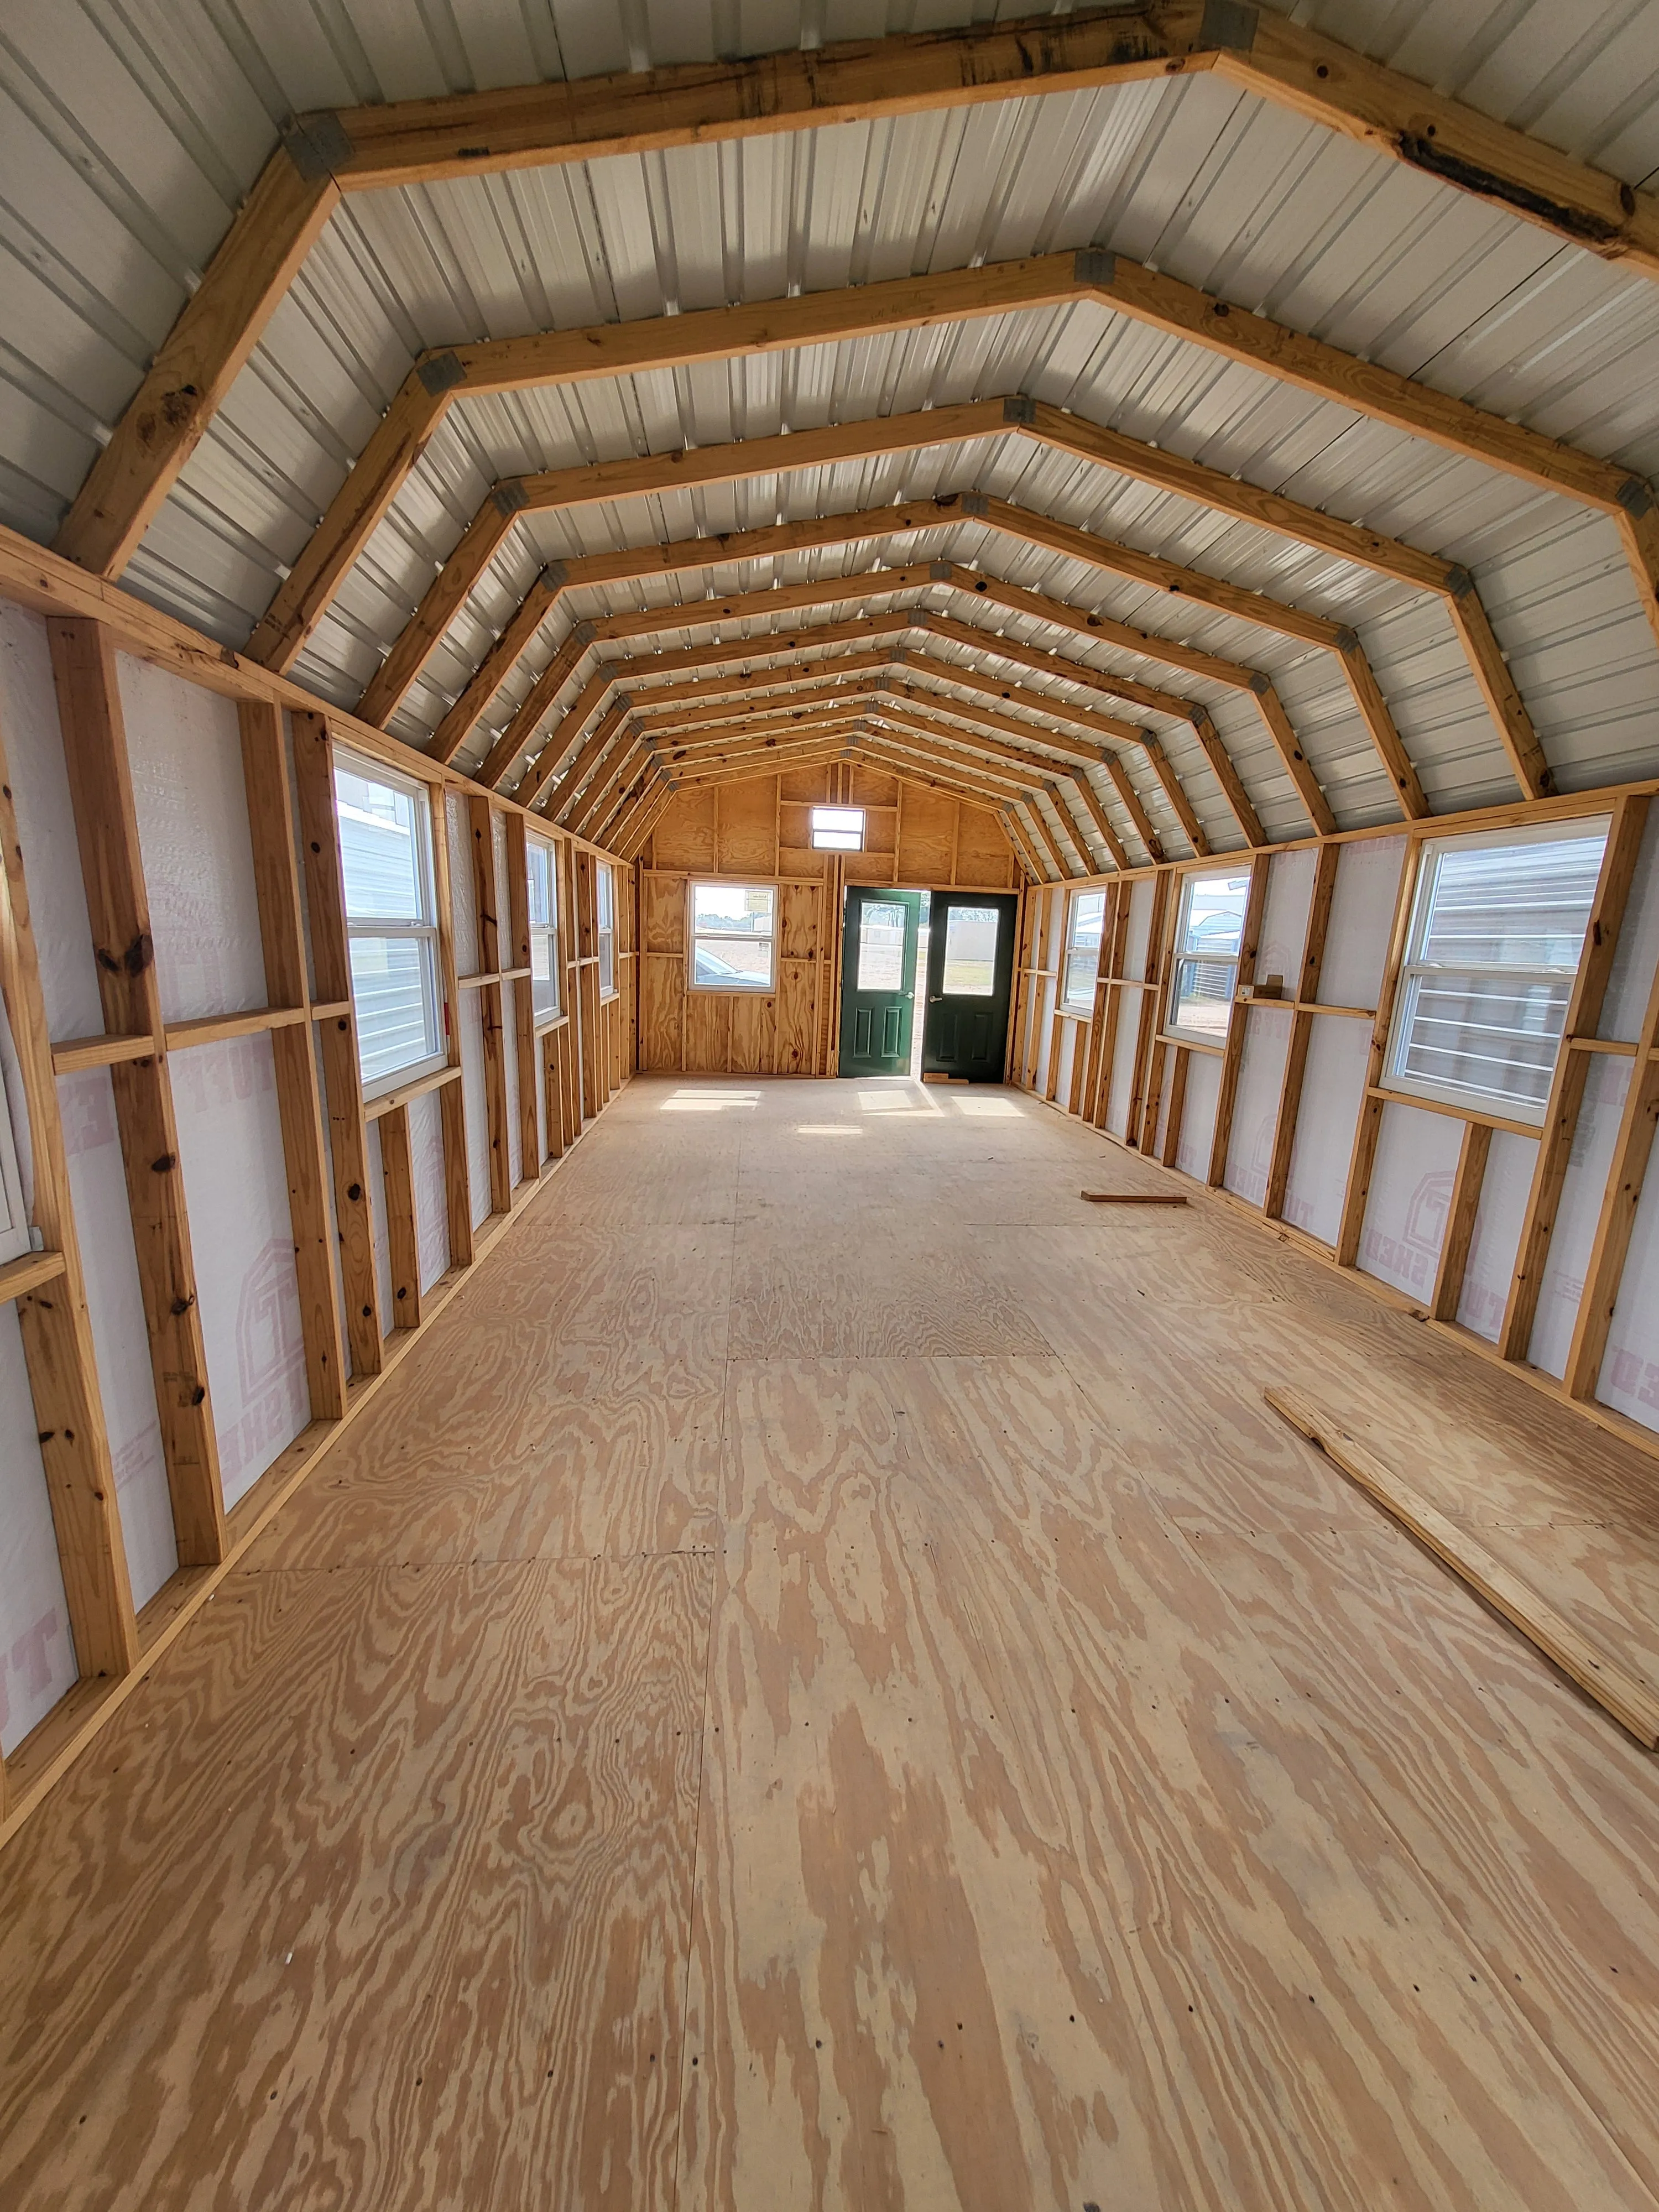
(970,972)
(878,981)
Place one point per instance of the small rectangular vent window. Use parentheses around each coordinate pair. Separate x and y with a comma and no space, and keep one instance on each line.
(838,828)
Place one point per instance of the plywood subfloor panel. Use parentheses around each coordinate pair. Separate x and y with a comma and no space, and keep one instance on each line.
(395,1913)
(1020,1854)
(820,1685)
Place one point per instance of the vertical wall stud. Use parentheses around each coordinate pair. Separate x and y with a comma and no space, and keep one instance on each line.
(491,1010)
(531,1151)
(319,845)
(57,1329)
(1301,1022)
(398,1172)
(1460,1220)
(1632,1150)
(299,1102)
(452,1099)
(1362,1160)
(106,827)
(1589,987)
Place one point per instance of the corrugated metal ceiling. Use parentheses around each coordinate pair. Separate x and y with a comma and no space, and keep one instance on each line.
(128,135)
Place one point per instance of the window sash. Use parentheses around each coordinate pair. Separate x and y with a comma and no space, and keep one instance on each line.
(604,929)
(541,865)
(398,1012)
(713,934)
(381,1065)
(17,1236)
(1082,969)
(545,970)
(837,829)
(1200,978)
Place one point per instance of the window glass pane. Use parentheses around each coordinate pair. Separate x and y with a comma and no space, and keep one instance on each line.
(1203,995)
(1088,912)
(838,828)
(734,963)
(390,990)
(881,946)
(602,895)
(1478,1033)
(541,899)
(544,983)
(1082,948)
(1213,915)
(970,951)
(743,906)
(1496,932)
(381,849)
(607,961)
(1522,906)
(1081,968)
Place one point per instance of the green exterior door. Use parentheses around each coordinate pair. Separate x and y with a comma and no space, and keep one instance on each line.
(970,972)
(878,981)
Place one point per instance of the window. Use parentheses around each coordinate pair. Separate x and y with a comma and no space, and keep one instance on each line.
(1082,930)
(882,927)
(734,936)
(970,951)
(1497,923)
(386,851)
(1207,942)
(838,828)
(543,860)
(16,1237)
(604,928)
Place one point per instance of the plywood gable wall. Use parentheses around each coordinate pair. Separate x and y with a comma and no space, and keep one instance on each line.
(759,830)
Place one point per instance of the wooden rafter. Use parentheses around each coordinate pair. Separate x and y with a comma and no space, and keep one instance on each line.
(405,142)
(638,475)
(791,599)
(1103,822)
(635,475)
(1046,663)
(439,378)
(198,362)
(1051,427)
(1014,830)
(1188,586)
(766,682)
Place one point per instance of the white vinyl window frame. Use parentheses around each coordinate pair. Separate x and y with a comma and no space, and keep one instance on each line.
(713,937)
(541,859)
(420,930)
(1189,958)
(1417,974)
(1081,968)
(605,926)
(16,1235)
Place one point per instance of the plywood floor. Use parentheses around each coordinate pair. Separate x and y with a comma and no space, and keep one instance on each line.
(820,1686)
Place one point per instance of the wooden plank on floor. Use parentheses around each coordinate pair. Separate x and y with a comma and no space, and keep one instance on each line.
(1632,1703)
